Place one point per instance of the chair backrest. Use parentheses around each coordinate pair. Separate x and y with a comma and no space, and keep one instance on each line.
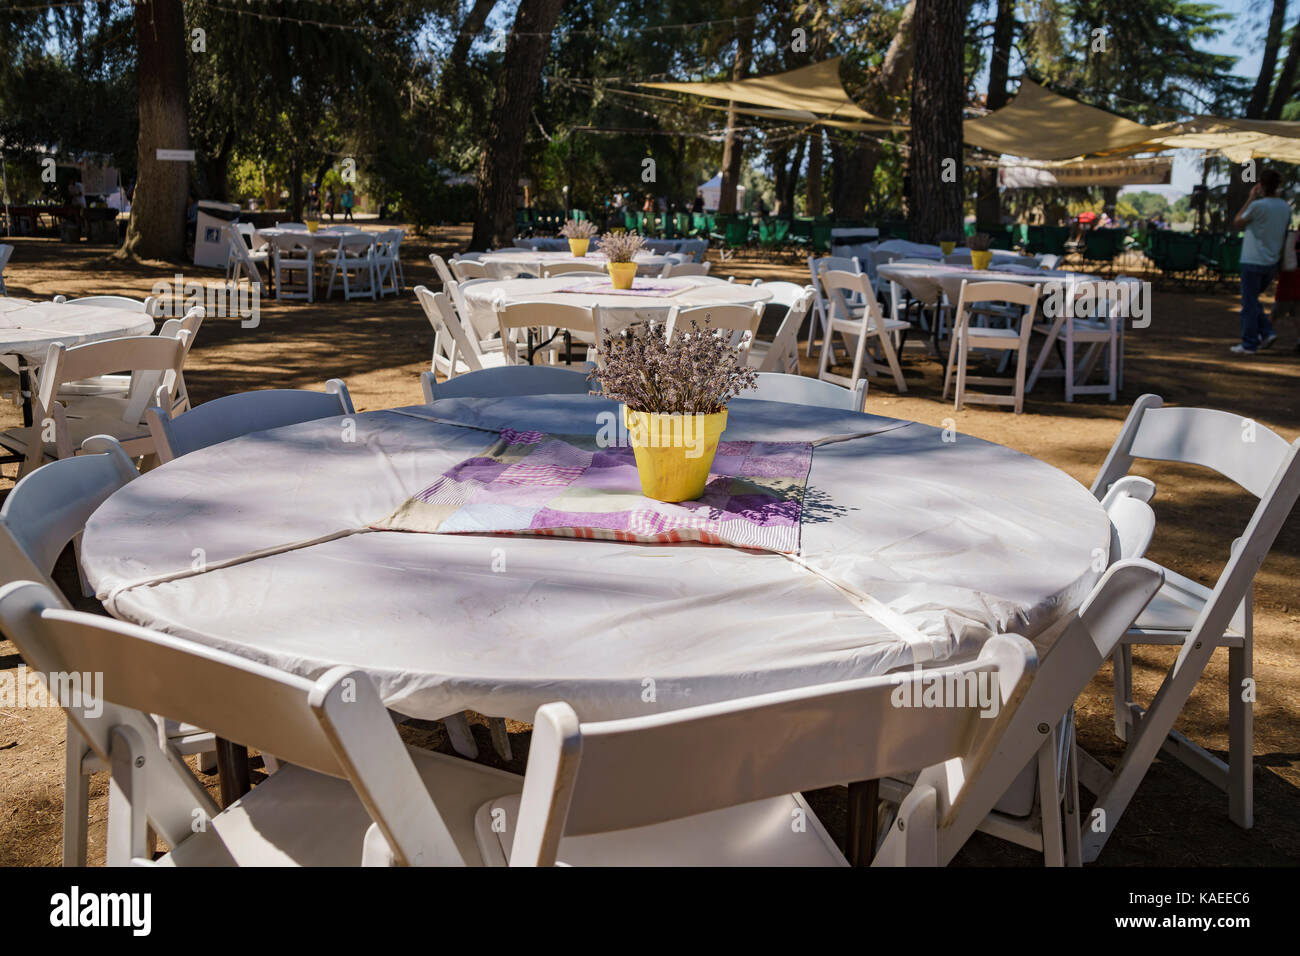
(147,306)
(134,353)
(536,314)
(1249,454)
(50,506)
(837,264)
(144,385)
(292,226)
(686,269)
(464,269)
(239,252)
(740,320)
(844,289)
(1014,293)
(1048,260)
(336,725)
(783,354)
(358,245)
(234,415)
(440,265)
(507,381)
(586,778)
(564,268)
(453,345)
(801,390)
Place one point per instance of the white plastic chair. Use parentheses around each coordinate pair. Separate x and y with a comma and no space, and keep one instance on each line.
(356,264)
(816,266)
(242,261)
(858,325)
(565,268)
(544,318)
(782,353)
(463,268)
(388,261)
(507,381)
(41,515)
(234,415)
(1189,615)
(801,390)
(455,349)
(293,257)
(685,269)
(966,337)
(440,266)
(58,428)
(741,321)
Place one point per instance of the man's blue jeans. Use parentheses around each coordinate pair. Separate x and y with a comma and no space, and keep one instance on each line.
(1254,323)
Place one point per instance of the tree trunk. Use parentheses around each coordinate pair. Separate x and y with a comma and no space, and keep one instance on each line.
(473,24)
(988,204)
(935,163)
(157,227)
(521,73)
(1285,90)
(732,148)
(816,153)
(1258,104)
(855,167)
(792,179)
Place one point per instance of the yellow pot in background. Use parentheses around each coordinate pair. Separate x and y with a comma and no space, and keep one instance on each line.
(621,274)
(674,452)
(947,247)
(313,225)
(980,258)
(578,247)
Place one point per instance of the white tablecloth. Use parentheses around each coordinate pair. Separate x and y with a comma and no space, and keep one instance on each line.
(925,281)
(918,549)
(29,328)
(508,264)
(695,290)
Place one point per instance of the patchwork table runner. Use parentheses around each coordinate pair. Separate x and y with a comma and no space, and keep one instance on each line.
(531,482)
(606,287)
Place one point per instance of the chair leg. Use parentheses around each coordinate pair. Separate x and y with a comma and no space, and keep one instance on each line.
(891,357)
(1123,689)
(76,798)
(1073,850)
(1241,737)
(1021,357)
(500,737)
(952,354)
(462,741)
(961,378)
(1069,361)
(1049,802)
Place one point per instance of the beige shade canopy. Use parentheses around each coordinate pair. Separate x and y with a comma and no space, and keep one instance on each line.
(1040,124)
(809,91)
(1237,139)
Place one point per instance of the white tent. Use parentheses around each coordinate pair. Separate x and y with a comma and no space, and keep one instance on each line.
(713,189)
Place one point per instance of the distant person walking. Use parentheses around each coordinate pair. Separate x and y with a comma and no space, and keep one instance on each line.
(346,201)
(1265,218)
(329,202)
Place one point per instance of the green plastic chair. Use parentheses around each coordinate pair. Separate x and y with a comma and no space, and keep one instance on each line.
(1047,240)
(1101,245)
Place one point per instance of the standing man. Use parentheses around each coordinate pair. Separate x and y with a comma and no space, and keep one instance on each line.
(1265,218)
(347,200)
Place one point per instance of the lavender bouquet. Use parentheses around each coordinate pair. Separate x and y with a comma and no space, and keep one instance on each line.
(694,372)
(621,246)
(578,229)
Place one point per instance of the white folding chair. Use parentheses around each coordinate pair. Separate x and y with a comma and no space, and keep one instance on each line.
(685,269)
(506,381)
(456,349)
(41,514)
(858,325)
(801,390)
(821,309)
(292,257)
(966,337)
(234,415)
(146,306)
(463,268)
(546,319)
(738,322)
(1102,334)
(440,266)
(388,261)
(782,353)
(565,268)
(355,263)
(58,428)
(1189,615)
(242,261)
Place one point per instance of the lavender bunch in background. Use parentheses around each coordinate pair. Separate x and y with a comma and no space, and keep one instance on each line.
(694,372)
(578,229)
(620,246)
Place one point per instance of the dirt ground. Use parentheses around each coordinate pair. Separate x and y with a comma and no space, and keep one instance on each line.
(379,348)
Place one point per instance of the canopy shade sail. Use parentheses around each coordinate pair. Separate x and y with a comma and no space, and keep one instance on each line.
(1013,174)
(1237,139)
(1040,124)
(812,89)
(806,118)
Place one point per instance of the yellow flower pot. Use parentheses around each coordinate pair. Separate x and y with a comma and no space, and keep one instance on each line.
(621,274)
(980,258)
(313,225)
(578,247)
(947,247)
(674,452)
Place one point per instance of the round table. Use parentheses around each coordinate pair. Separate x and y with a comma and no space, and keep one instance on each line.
(915,548)
(924,281)
(661,295)
(509,263)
